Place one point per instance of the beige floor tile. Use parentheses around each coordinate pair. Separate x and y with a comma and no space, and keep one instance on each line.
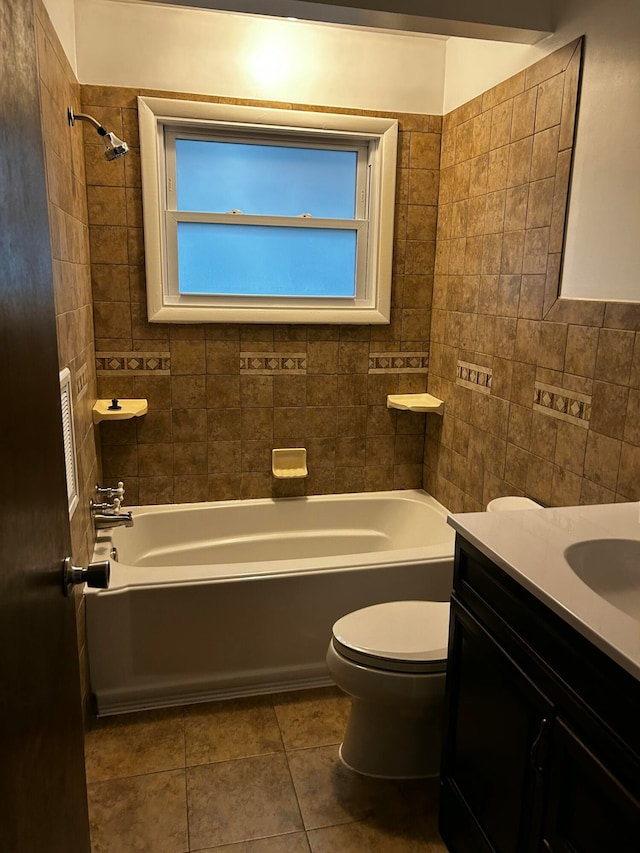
(143,814)
(240,800)
(312,717)
(296,842)
(218,731)
(330,794)
(365,838)
(327,792)
(133,744)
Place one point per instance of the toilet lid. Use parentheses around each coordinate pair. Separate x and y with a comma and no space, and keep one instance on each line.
(402,633)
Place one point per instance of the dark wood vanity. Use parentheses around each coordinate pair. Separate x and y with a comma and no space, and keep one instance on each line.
(542,742)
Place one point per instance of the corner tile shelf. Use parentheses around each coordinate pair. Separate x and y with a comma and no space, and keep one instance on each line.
(415,403)
(130,409)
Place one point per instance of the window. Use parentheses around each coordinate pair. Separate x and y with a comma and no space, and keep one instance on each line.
(260,215)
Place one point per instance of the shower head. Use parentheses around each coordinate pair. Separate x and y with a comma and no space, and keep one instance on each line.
(114,147)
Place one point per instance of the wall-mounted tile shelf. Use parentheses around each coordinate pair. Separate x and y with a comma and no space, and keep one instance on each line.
(415,403)
(128,409)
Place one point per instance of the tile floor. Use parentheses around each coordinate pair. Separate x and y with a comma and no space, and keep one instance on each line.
(257,775)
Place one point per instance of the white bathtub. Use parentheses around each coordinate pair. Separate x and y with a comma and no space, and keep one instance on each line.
(233,598)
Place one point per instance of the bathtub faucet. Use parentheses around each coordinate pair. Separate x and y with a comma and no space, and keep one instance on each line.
(109,515)
(112,519)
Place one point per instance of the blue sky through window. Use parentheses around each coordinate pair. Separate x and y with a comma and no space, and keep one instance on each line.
(257,260)
(265,180)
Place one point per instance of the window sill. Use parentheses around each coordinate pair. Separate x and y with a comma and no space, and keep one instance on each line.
(192,314)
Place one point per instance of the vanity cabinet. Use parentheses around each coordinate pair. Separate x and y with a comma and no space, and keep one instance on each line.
(542,741)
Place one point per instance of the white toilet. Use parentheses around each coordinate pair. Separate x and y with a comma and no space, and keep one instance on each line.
(391,659)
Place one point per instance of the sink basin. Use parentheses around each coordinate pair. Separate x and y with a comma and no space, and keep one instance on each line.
(611,567)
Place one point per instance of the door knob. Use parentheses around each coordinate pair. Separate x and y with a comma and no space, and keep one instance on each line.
(96,575)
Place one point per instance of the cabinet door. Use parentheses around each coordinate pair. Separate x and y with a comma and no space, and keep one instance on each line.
(498,722)
(588,811)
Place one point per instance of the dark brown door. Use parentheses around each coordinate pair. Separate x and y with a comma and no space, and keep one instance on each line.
(43,804)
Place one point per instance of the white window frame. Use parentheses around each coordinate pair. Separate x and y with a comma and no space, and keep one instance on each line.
(374,138)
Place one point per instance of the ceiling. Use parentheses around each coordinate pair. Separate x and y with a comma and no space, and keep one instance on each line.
(524,21)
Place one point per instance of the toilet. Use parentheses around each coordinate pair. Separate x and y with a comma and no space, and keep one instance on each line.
(391,659)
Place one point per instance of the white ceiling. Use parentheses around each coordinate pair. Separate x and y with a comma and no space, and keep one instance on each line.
(524,21)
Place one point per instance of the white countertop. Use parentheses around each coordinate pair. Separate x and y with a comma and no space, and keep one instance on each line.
(529,545)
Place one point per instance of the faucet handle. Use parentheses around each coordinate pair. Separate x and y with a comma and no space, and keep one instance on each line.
(104,506)
(117,503)
(110,493)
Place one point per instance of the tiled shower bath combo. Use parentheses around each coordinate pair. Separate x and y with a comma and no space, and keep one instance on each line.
(542,397)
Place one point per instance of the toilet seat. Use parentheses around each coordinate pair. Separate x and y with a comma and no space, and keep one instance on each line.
(397,636)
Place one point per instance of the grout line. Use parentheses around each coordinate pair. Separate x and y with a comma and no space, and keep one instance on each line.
(277,719)
(240,844)
(286,758)
(184,734)
(235,758)
(314,746)
(186,788)
(186,807)
(136,776)
(295,792)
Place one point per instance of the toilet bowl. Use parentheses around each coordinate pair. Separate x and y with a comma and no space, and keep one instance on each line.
(391,659)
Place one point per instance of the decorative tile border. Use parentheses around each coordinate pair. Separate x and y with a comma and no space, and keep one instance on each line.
(560,403)
(82,380)
(133,362)
(399,362)
(474,376)
(268,363)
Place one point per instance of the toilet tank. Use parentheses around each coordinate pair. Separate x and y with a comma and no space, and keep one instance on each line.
(510,503)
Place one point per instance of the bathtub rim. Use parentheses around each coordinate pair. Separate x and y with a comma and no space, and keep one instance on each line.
(126,578)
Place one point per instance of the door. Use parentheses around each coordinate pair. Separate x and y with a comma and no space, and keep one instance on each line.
(43,805)
(498,722)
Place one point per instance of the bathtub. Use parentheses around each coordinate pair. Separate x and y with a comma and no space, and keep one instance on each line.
(235,598)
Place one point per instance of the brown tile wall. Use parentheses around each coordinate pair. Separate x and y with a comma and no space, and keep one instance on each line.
(65,173)
(547,400)
(211,426)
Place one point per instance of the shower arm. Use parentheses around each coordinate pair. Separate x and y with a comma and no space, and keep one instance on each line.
(113,145)
(73,117)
